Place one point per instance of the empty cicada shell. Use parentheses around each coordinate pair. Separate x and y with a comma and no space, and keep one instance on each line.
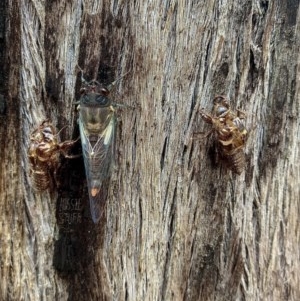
(230,133)
(44,155)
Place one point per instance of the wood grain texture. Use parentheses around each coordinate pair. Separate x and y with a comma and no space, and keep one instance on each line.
(177,226)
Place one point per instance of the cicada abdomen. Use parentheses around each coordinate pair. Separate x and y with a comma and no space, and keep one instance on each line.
(230,133)
(97,125)
(44,155)
(40,177)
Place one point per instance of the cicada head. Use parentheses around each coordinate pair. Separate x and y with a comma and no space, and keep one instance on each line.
(94,100)
(104,91)
(49,135)
(94,95)
(221,106)
(96,109)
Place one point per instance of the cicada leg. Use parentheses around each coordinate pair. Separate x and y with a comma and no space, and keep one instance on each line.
(114,82)
(202,135)
(241,114)
(65,146)
(206,117)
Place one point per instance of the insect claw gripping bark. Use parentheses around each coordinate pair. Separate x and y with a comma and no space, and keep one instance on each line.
(44,155)
(97,126)
(229,132)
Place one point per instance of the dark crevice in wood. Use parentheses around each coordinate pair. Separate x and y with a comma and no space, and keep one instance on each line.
(192,113)
(140,223)
(163,154)
(247,267)
(264,5)
(190,158)
(134,142)
(253,72)
(10,49)
(3,64)
(169,249)
(292,7)
(257,238)
(126,292)
(273,139)
(52,98)
(206,60)
(12,199)
(166,197)
(4,85)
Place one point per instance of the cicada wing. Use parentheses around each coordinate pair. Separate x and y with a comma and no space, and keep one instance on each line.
(98,154)
(97,197)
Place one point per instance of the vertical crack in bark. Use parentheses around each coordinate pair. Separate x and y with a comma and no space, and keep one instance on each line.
(3,76)
(207,60)
(232,266)
(168,258)
(170,56)
(291,11)
(252,72)
(12,267)
(163,154)
(193,109)
(126,292)
(140,223)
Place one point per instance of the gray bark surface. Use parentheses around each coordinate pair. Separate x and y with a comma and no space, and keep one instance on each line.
(176,225)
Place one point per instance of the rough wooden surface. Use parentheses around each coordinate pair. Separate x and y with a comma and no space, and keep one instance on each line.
(177,227)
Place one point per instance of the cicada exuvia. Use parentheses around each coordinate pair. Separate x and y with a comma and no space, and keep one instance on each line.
(230,133)
(44,155)
(97,125)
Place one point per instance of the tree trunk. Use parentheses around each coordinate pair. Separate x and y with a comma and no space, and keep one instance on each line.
(176,226)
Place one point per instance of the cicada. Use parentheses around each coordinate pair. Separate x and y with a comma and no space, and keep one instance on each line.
(230,133)
(44,155)
(97,125)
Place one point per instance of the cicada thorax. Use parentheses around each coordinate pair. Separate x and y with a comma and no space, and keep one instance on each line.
(96,119)
(230,134)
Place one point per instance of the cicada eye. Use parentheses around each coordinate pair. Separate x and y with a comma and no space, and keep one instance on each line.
(82,90)
(104,91)
(84,98)
(221,110)
(221,101)
(102,100)
(47,130)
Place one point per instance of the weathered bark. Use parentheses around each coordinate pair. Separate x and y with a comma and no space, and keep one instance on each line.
(176,226)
